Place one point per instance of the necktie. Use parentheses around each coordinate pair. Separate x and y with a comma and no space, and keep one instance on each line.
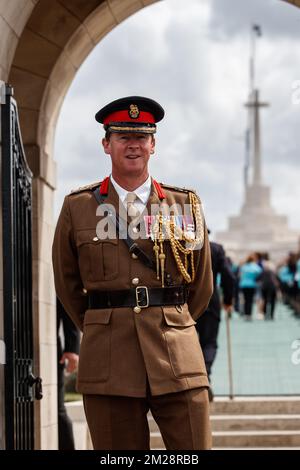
(132,211)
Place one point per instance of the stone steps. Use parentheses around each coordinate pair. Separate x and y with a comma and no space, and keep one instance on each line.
(256,439)
(80,430)
(244,439)
(256,448)
(255,422)
(256,405)
(249,423)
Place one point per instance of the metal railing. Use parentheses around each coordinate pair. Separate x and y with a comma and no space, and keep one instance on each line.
(17,282)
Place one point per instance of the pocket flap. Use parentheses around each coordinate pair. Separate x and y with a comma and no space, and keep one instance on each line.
(90,236)
(175,317)
(86,236)
(97,316)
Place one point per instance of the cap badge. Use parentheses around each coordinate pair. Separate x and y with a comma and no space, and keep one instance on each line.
(134,111)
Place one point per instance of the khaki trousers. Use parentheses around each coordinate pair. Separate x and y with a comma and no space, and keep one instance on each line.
(120,423)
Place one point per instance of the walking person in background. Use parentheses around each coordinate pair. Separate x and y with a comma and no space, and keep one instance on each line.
(286,278)
(235,268)
(288,273)
(208,324)
(258,298)
(269,285)
(249,273)
(67,359)
(292,265)
(297,277)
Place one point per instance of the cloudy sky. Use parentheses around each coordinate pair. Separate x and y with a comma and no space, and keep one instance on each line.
(192,56)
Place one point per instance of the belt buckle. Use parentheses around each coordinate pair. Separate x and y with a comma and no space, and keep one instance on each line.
(138,290)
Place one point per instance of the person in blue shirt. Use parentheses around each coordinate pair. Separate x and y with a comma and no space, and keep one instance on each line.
(269,285)
(249,273)
(298,273)
(287,275)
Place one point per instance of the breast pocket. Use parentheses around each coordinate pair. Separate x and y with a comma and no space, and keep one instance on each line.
(186,358)
(98,259)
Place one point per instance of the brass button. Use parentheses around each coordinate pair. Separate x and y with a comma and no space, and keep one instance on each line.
(133,256)
(135,281)
(84,291)
(95,239)
(137,309)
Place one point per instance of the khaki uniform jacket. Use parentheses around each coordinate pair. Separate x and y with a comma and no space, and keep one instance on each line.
(121,350)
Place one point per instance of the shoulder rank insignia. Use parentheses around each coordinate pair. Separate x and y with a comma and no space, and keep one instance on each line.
(90,187)
(175,188)
(181,190)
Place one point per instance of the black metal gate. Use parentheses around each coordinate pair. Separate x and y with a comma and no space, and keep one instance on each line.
(17,283)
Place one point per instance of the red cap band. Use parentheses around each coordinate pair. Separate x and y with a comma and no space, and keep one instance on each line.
(123,116)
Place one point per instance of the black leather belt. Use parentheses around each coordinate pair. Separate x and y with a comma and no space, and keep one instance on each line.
(141,297)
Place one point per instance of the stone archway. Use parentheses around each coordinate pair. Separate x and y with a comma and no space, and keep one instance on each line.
(43,43)
(46,42)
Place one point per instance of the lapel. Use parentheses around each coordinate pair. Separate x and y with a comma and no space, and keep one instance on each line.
(153,204)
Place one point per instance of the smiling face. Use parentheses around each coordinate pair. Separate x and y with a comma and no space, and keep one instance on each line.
(130,153)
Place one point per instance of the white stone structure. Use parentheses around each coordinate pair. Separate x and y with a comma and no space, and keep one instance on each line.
(258,227)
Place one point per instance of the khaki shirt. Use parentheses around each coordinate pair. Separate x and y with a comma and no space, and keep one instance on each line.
(122,351)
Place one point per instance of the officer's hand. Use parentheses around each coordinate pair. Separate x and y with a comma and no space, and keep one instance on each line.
(228,308)
(71,360)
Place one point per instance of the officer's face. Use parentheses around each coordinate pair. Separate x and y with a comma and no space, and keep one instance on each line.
(129,153)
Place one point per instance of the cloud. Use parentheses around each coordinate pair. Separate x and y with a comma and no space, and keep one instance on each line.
(174,54)
(231,18)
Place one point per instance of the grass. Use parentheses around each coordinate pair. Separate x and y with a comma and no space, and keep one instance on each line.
(73,397)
